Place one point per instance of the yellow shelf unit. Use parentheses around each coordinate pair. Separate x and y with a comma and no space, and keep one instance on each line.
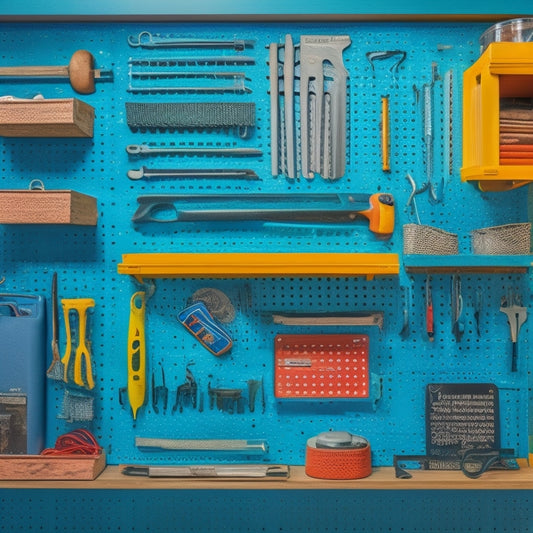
(257,265)
(504,70)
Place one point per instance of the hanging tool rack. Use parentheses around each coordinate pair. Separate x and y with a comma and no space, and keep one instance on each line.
(414,92)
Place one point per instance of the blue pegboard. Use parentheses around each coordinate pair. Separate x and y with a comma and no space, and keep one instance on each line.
(86,258)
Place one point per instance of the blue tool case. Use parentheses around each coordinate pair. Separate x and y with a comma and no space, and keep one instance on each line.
(22,368)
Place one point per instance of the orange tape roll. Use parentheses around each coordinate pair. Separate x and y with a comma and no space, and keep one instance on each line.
(337,463)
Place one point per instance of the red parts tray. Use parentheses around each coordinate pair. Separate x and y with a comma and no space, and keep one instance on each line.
(321,366)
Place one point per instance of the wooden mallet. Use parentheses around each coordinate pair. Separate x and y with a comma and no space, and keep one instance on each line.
(80,71)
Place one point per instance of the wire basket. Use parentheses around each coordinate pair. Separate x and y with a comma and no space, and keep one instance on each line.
(509,239)
(427,240)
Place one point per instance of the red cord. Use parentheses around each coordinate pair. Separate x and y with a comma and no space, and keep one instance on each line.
(77,442)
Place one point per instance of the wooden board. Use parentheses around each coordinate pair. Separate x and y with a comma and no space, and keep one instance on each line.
(62,117)
(51,467)
(47,207)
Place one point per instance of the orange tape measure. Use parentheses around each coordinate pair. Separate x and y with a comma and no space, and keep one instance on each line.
(338,455)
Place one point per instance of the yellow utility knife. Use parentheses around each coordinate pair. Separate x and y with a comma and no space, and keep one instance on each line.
(137,353)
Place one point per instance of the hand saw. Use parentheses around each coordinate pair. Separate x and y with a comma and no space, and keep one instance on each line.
(318,208)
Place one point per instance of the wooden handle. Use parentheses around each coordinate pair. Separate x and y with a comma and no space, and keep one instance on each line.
(52,72)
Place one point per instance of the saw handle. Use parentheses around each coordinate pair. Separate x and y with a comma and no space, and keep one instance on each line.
(380,215)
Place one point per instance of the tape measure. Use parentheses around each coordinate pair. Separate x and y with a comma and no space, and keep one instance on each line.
(338,455)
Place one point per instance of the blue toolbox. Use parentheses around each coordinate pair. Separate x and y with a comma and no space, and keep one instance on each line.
(22,373)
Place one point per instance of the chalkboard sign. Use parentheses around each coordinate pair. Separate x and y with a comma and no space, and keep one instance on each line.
(460,416)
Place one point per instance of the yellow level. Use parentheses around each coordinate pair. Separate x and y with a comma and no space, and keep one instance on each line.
(250,265)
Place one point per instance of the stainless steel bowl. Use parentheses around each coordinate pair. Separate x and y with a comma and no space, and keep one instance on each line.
(518,30)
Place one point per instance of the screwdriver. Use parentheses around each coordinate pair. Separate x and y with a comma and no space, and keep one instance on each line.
(429,310)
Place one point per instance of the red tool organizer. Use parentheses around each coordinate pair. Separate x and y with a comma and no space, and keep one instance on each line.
(321,366)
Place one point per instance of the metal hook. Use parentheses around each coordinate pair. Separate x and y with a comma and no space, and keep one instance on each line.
(414,192)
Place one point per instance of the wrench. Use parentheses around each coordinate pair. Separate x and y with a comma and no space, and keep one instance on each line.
(144,149)
(145,173)
(146,40)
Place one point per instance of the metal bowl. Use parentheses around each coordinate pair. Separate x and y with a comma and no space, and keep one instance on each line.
(510,31)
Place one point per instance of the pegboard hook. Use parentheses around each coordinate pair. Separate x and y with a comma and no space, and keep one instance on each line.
(414,192)
(146,285)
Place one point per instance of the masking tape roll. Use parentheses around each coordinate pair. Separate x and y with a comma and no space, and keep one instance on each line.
(337,463)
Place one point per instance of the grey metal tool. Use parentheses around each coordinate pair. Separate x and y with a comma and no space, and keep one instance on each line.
(146,40)
(237,87)
(274,107)
(56,369)
(175,61)
(211,173)
(511,305)
(159,392)
(323,98)
(186,393)
(329,319)
(406,304)
(288,99)
(458,326)
(477,310)
(381,55)
(253,387)
(254,471)
(146,150)
(203,81)
(435,192)
(234,446)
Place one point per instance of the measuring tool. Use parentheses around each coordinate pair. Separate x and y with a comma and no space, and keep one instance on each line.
(137,352)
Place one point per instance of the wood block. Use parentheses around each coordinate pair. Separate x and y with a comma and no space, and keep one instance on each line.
(51,467)
(61,117)
(47,207)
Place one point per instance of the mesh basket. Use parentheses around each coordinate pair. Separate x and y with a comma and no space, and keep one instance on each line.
(427,240)
(509,239)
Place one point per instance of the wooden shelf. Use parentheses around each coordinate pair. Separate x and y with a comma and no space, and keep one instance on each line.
(253,265)
(484,264)
(382,478)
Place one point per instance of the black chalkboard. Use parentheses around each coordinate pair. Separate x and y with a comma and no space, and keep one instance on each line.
(460,416)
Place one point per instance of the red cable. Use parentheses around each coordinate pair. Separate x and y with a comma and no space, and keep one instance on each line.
(76,442)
